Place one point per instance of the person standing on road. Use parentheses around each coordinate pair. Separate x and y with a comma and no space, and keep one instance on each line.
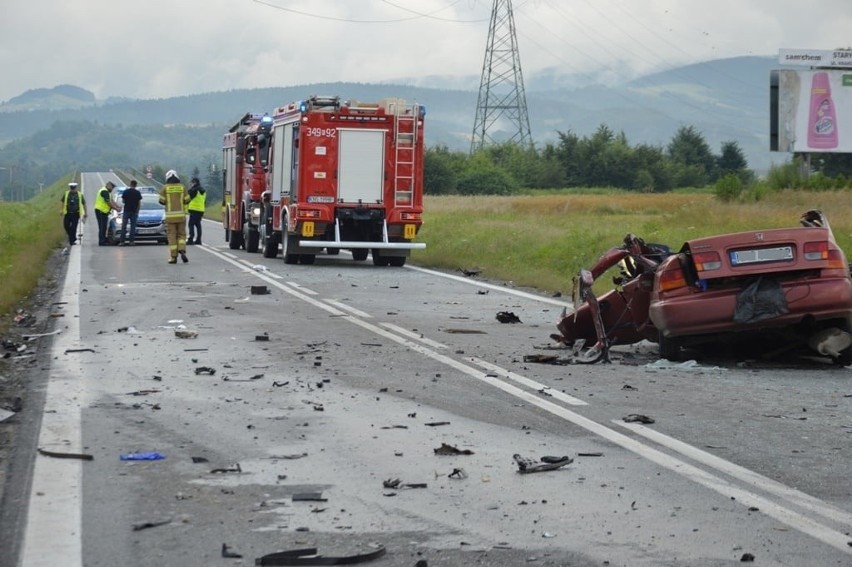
(73,209)
(131,198)
(103,205)
(197,205)
(175,198)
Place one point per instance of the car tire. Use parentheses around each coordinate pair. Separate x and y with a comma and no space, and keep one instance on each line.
(669,348)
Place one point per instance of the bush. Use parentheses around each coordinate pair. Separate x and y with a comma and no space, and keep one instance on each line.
(728,188)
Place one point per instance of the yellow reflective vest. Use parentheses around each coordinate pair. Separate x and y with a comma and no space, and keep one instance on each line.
(102,204)
(199,202)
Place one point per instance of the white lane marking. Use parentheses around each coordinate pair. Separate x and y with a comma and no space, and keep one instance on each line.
(302,288)
(503,289)
(54,517)
(349,308)
(413,335)
(795,520)
(805,501)
(541,388)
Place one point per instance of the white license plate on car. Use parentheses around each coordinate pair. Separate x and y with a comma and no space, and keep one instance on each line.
(758,255)
(146,231)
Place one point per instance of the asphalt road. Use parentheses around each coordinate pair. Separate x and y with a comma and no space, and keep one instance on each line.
(281,417)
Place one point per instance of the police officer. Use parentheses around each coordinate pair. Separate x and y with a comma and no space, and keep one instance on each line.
(73,209)
(103,205)
(175,198)
(197,205)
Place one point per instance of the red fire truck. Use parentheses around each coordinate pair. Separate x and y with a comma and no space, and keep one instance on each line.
(245,153)
(344,175)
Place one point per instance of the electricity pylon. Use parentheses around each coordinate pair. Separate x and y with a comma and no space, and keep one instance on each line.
(501,89)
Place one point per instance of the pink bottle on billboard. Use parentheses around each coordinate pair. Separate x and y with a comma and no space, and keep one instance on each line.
(822,121)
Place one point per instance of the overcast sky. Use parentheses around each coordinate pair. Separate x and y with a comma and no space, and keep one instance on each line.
(165,48)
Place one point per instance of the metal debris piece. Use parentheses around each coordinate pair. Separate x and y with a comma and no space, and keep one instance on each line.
(59,455)
(464,332)
(262,338)
(205,370)
(546,463)
(259,290)
(310,556)
(638,418)
(445,449)
(471,272)
(547,359)
(436,423)
(508,317)
(460,474)
(186,334)
(594,454)
(69,350)
(146,525)
(309,497)
(235,468)
(226,552)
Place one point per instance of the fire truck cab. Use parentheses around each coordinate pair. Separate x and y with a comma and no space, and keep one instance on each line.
(245,154)
(344,175)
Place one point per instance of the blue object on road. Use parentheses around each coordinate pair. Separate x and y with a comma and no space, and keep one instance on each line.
(151,456)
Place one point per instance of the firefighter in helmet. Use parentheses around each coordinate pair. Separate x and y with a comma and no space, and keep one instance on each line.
(175,198)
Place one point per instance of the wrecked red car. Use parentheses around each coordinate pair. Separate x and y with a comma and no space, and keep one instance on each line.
(782,287)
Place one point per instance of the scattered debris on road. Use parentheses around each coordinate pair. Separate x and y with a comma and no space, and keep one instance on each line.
(508,317)
(205,370)
(146,456)
(546,463)
(228,553)
(311,556)
(445,449)
(61,455)
(147,525)
(637,418)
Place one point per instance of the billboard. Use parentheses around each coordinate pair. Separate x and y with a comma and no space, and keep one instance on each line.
(814,111)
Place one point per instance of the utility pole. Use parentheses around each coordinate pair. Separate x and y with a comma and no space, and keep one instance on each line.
(501,88)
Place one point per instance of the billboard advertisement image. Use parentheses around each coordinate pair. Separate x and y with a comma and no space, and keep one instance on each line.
(815,110)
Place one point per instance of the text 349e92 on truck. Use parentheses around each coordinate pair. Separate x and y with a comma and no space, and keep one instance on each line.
(323,173)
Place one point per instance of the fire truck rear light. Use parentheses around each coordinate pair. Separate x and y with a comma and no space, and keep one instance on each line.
(308,214)
(707,261)
(410,216)
(816,250)
(672,279)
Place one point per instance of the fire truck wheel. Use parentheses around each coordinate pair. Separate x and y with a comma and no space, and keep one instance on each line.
(270,245)
(287,244)
(252,240)
(307,259)
(359,254)
(332,251)
(379,259)
(236,240)
(397,261)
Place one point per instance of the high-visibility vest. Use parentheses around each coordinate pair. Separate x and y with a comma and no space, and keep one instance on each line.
(198,203)
(102,204)
(174,197)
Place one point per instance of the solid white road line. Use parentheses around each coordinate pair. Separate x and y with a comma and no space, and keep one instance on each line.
(53,529)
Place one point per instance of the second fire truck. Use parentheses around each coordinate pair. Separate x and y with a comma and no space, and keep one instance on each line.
(245,152)
(343,175)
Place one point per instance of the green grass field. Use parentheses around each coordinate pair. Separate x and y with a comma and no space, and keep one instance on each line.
(537,241)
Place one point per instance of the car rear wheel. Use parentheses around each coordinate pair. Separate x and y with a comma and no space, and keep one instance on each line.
(669,348)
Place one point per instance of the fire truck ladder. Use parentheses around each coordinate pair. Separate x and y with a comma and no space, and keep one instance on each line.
(405,141)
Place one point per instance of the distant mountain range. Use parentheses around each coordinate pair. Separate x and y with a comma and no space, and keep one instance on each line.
(725,100)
